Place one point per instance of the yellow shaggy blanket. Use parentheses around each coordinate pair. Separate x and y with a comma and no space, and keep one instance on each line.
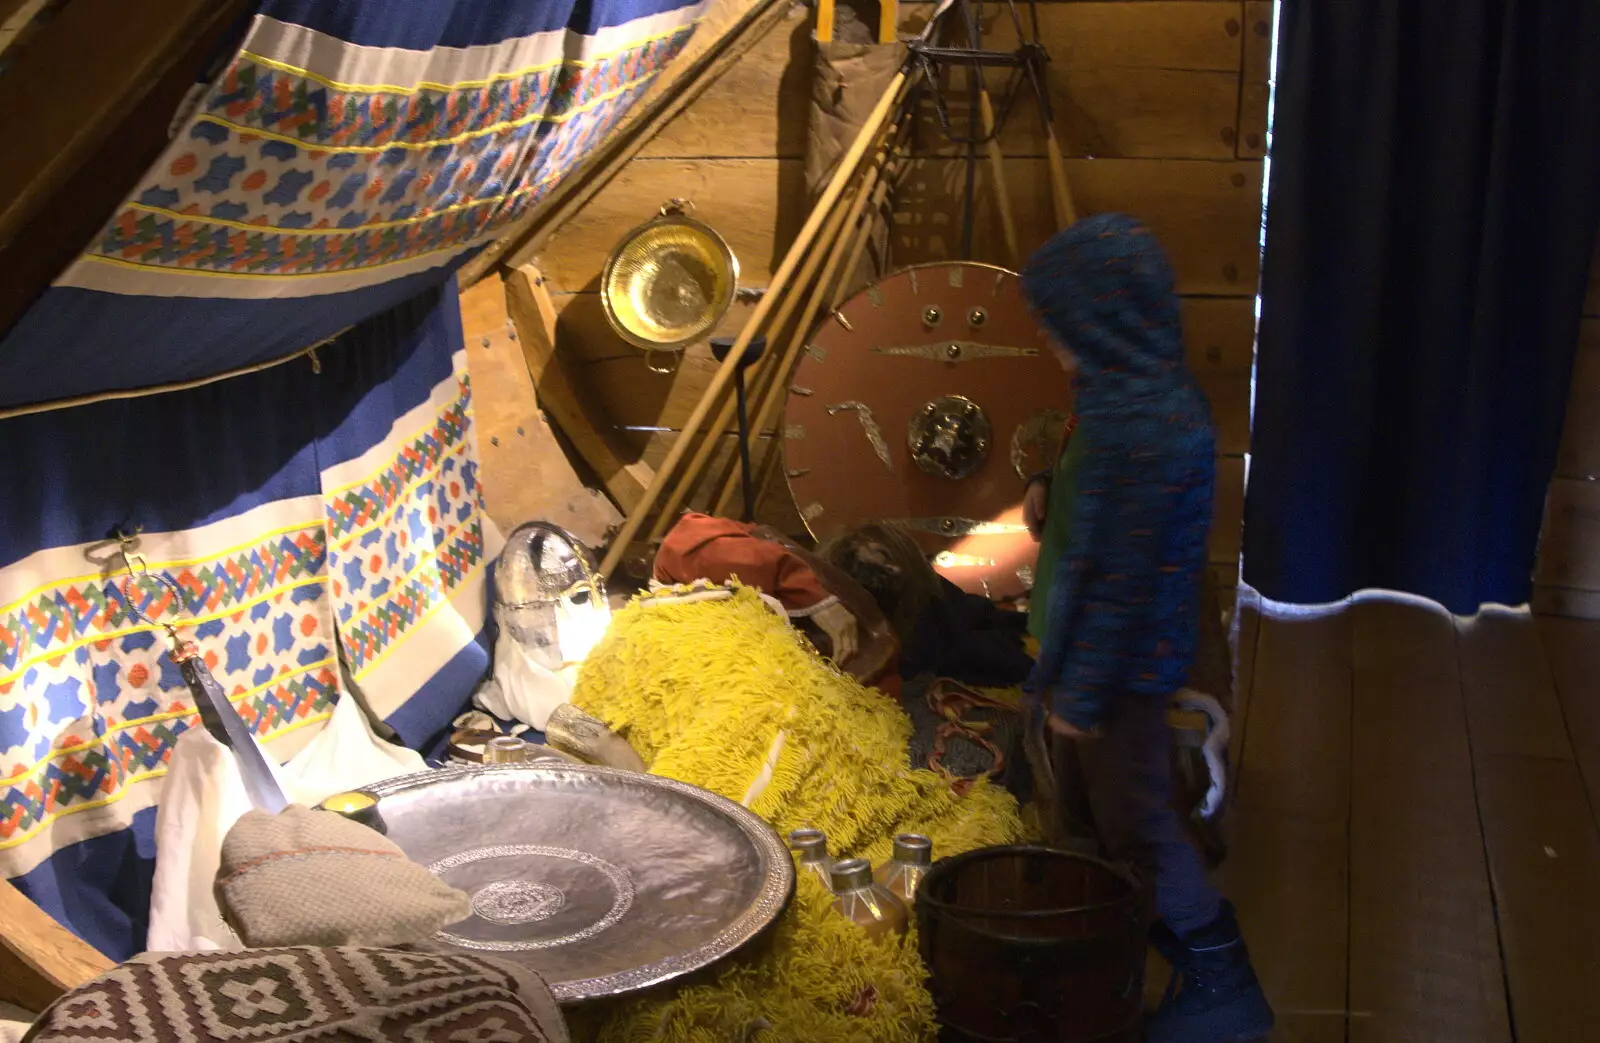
(726,695)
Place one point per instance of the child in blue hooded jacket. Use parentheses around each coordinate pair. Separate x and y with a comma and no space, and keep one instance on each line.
(1122,607)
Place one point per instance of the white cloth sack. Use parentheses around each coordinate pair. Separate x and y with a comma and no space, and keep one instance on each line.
(204,796)
(520,688)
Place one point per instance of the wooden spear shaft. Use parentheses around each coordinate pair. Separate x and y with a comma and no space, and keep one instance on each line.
(997,167)
(863,236)
(772,396)
(841,290)
(708,445)
(1060,195)
(852,240)
(877,174)
(724,374)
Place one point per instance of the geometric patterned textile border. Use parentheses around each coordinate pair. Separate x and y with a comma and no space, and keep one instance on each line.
(58,617)
(288,171)
(342,159)
(278,995)
(421,539)
(82,775)
(89,717)
(356,510)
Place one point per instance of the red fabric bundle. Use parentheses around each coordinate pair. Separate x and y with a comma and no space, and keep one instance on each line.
(719,549)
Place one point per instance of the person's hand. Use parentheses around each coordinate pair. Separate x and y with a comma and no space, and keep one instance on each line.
(1035,505)
(1063,727)
(836,621)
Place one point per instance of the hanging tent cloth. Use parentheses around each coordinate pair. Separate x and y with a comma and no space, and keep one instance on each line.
(348,156)
(1432,219)
(319,523)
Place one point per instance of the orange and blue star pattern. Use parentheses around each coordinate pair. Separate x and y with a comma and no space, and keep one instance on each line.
(338,164)
(284,172)
(90,704)
(318,179)
(407,538)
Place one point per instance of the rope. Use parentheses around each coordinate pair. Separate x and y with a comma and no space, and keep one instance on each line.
(950,699)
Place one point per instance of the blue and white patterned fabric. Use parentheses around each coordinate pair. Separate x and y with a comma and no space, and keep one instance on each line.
(296,512)
(349,157)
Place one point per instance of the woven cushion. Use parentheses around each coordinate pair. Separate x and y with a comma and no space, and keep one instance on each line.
(314,878)
(271,995)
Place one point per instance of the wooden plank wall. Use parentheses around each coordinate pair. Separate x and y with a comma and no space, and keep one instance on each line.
(77,144)
(1567,577)
(526,472)
(1159,104)
(738,154)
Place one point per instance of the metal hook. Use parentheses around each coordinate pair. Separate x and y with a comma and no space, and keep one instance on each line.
(138,568)
(124,543)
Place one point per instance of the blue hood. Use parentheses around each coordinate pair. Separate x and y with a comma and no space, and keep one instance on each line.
(1104,288)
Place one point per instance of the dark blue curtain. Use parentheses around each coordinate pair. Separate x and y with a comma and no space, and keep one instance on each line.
(1434,194)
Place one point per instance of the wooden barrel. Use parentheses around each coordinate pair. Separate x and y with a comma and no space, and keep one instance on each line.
(1032,945)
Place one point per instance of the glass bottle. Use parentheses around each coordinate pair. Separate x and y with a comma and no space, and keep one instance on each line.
(812,847)
(910,862)
(870,906)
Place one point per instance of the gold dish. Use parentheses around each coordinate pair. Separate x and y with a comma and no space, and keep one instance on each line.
(669,282)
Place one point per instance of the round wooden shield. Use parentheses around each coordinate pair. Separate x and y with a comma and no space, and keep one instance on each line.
(925,400)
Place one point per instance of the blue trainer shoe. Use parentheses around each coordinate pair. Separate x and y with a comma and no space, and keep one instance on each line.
(1213,996)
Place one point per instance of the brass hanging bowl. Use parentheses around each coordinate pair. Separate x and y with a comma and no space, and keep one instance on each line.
(669,282)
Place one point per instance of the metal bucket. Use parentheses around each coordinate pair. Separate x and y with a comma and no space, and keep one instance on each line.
(1032,945)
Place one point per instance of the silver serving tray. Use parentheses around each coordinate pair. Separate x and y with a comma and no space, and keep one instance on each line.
(604,881)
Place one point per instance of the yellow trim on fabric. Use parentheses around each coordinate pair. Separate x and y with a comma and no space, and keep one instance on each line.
(245,226)
(419,624)
(126,786)
(383,515)
(430,85)
(188,621)
(430,558)
(419,146)
(63,751)
(204,273)
(416,432)
(176,563)
(123,789)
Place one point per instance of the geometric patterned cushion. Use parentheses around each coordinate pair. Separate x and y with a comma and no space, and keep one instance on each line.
(305,994)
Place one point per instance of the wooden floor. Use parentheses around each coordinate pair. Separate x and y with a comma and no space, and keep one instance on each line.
(1415,850)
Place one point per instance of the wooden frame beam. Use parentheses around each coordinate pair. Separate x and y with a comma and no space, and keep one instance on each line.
(40,959)
(559,391)
(84,111)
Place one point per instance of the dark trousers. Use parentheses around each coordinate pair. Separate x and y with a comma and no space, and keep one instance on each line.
(1128,775)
